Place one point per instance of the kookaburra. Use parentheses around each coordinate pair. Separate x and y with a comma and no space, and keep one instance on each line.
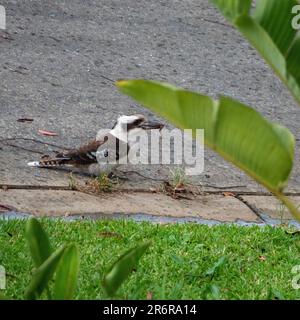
(102,154)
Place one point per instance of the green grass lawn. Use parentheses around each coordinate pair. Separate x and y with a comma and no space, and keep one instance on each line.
(254,262)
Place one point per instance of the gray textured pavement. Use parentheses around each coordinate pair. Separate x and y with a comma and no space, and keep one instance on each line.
(56,59)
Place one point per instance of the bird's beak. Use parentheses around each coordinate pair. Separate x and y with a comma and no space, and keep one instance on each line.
(149,125)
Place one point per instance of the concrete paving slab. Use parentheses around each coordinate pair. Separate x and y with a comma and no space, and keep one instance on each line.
(270,206)
(57,60)
(57,203)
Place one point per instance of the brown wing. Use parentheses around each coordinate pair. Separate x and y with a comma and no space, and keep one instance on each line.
(85,154)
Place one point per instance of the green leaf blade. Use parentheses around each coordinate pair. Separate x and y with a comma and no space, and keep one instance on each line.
(269,29)
(122,268)
(43,274)
(293,61)
(67,274)
(154,95)
(276,17)
(211,271)
(254,144)
(263,43)
(38,242)
(232,9)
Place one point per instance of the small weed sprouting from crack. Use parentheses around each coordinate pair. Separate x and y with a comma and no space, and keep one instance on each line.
(177,187)
(178,178)
(104,183)
(73,185)
(100,184)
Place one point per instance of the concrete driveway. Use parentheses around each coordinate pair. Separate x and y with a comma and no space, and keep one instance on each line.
(59,59)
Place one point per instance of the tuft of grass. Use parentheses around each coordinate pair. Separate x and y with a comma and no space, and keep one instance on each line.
(104,183)
(178,177)
(185,261)
(97,185)
(72,182)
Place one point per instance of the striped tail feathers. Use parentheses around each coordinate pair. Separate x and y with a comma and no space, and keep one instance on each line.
(84,155)
(47,161)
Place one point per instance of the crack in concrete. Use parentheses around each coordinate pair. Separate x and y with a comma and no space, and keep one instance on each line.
(237,194)
(252,208)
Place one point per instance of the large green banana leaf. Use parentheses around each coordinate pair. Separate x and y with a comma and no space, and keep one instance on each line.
(268,27)
(262,149)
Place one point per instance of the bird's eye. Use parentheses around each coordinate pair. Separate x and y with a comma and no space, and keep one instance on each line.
(105,153)
(137,122)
